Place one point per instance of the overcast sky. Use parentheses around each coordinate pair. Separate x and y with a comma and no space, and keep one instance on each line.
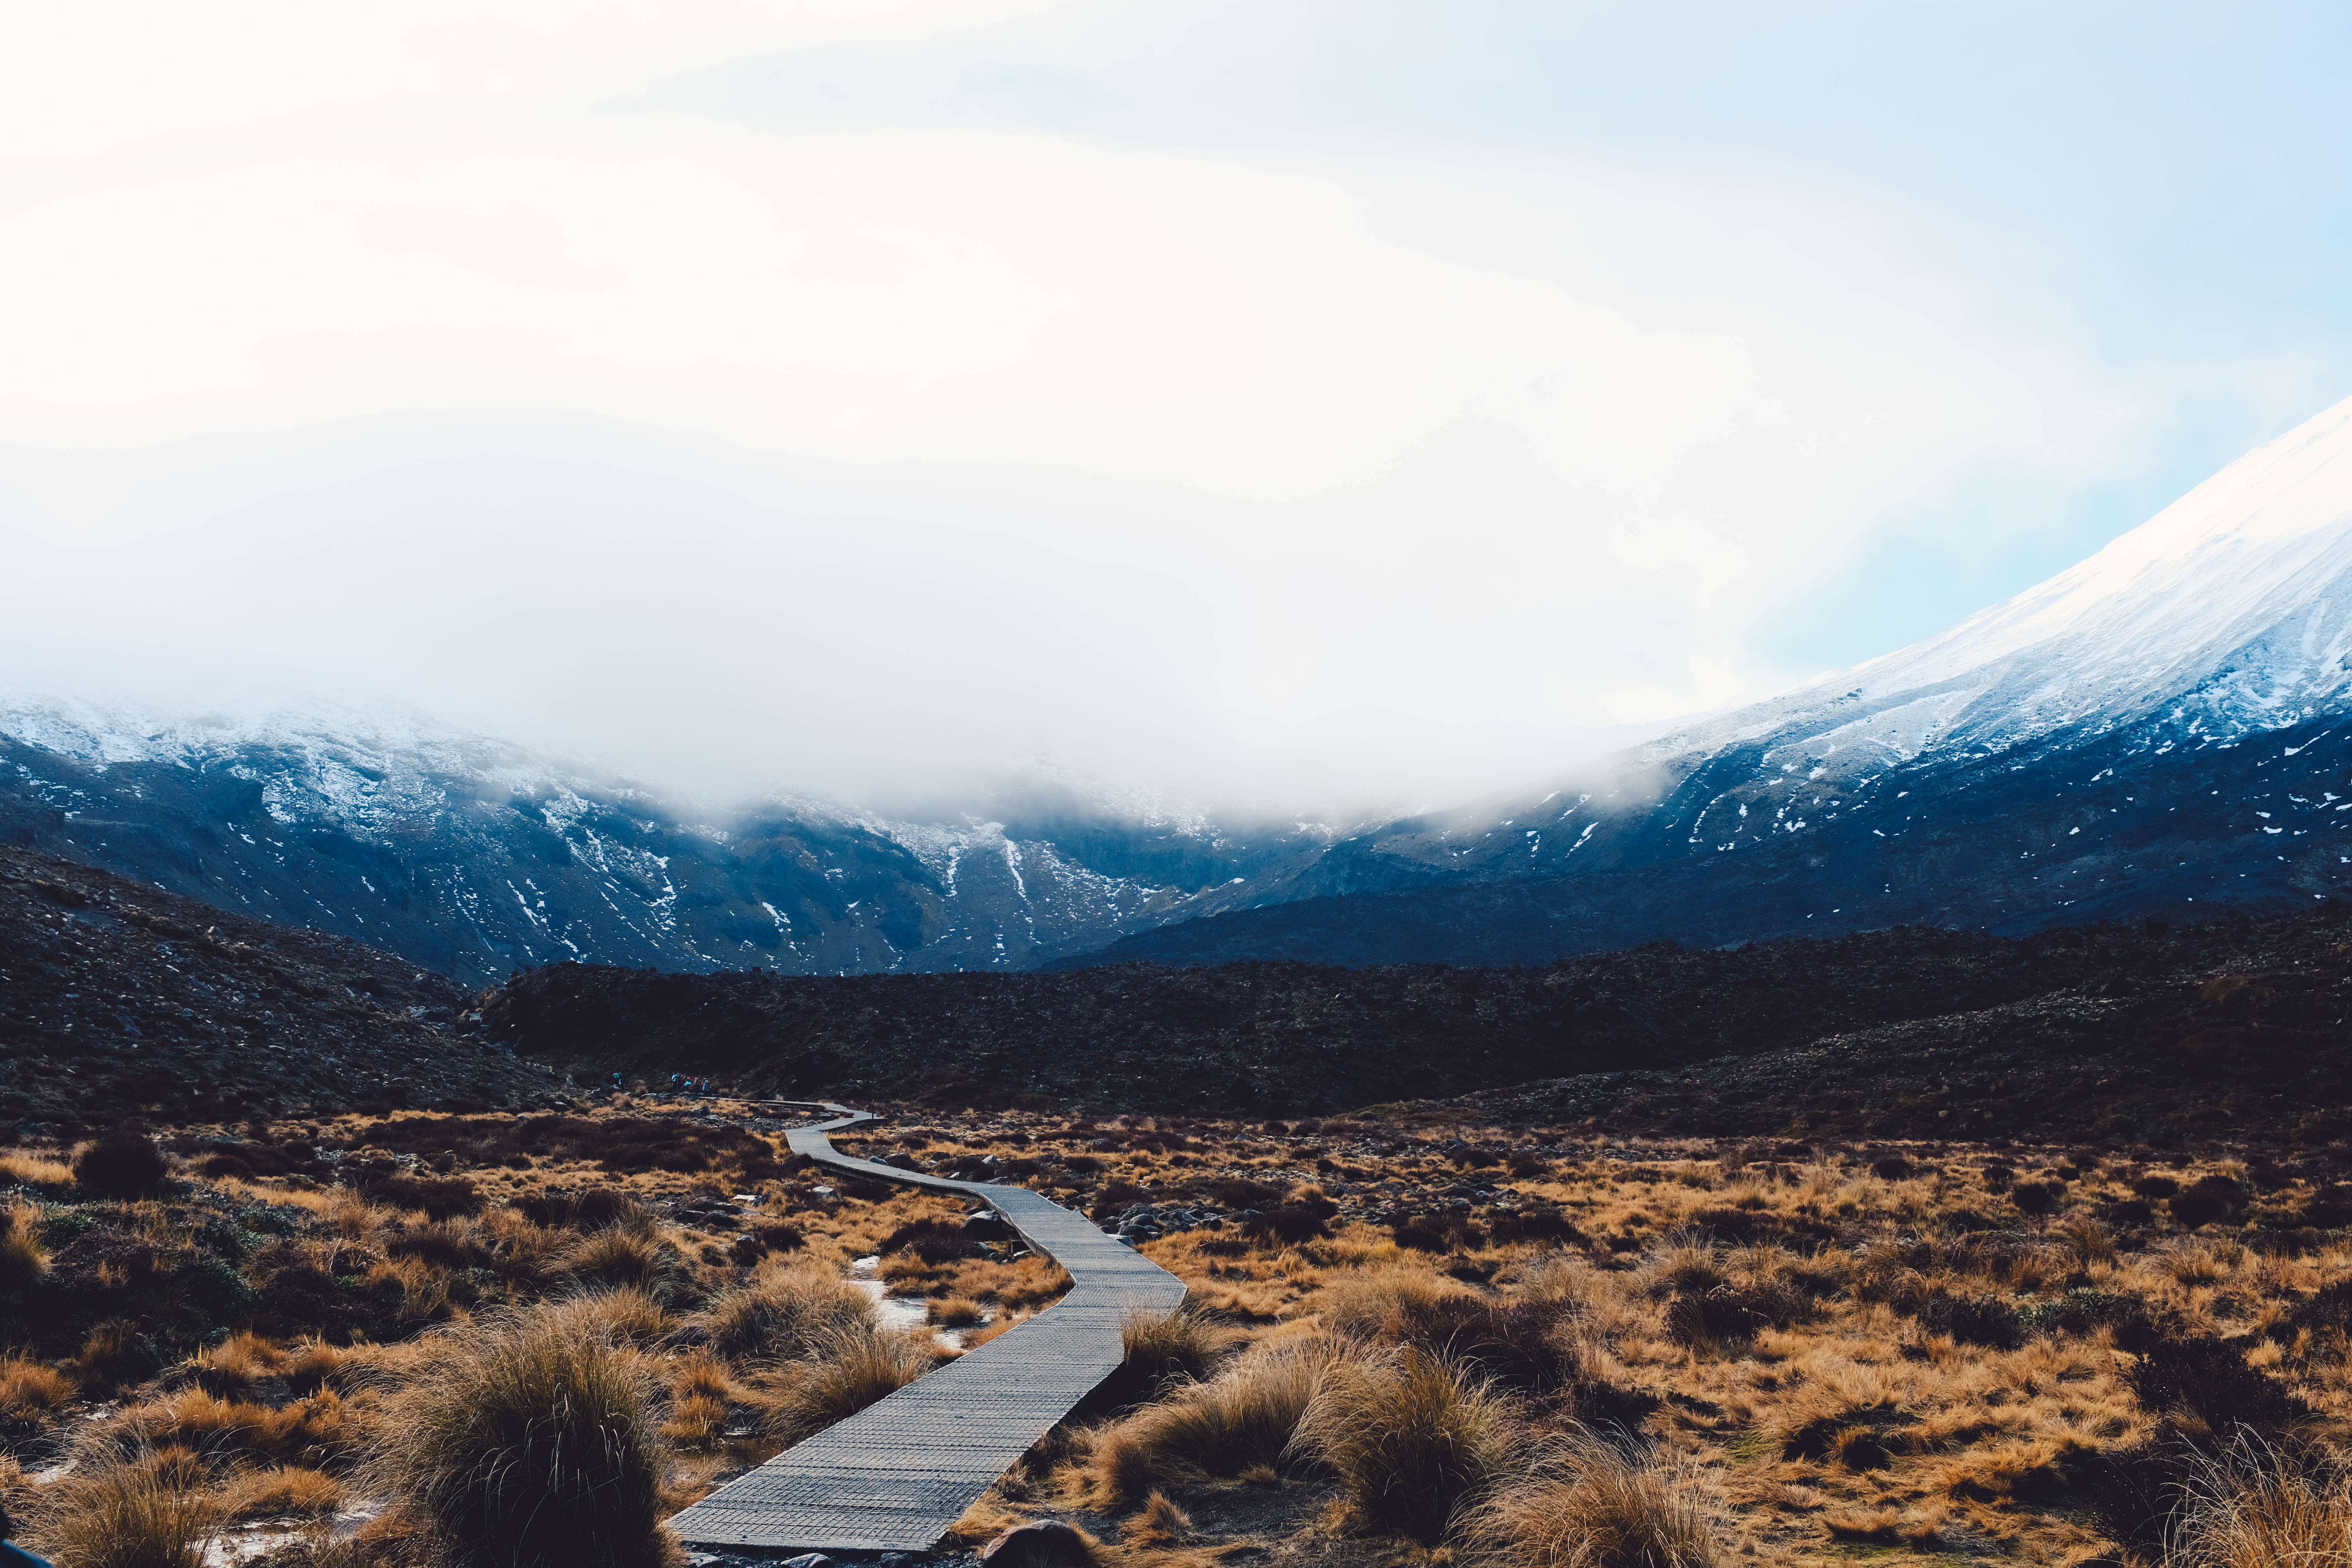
(1267,399)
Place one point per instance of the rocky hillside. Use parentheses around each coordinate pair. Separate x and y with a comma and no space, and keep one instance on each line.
(2055,833)
(118,1000)
(2161,729)
(472,857)
(1938,1031)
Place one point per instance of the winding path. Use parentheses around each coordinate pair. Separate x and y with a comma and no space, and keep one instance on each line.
(894,1476)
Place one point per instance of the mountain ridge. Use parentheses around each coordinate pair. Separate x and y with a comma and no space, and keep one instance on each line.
(476,857)
(2225,620)
(1956,780)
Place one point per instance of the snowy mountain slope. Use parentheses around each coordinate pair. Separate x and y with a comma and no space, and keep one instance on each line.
(2163,725)
(476,857)
(2146,674)
(2228,612)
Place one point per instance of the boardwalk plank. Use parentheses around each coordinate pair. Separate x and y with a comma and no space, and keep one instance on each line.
(898,1474)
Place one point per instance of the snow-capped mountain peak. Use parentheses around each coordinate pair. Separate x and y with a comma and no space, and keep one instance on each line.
(2230,610)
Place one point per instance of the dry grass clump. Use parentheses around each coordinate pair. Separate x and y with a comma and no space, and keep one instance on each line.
(1244,1417)
(528,1444)
(37,1171)
(293,1490)
(1583,1504)
(23,1261)
(953,1313)
(701,1397)
(29,1390)
(322,1430)
(622,1317)
(1159,1522)
(1185,1343)
(1414,1439)
(785,1313)
(843,1372)
(245,1360)
(1376,1304)
(2259,1507)
(445,1243)
(622,1257)
(114,1354)
(152,1511)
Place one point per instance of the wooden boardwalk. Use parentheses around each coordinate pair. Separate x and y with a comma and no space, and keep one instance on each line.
(894,1476)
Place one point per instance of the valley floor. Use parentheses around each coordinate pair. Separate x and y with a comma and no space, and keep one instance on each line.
(1782,1351)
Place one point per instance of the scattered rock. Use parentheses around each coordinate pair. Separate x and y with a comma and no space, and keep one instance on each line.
(1040,1544)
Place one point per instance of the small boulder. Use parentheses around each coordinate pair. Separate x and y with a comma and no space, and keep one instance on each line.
(1040,1544)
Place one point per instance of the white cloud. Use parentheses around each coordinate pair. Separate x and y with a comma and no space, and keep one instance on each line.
(819,453)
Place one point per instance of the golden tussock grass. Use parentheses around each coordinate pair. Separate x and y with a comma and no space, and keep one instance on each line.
(530,1445)
(783,1313)
(842,1373)
(243,1361)
(353,1218)
(1583,1504)
(295,1491)
(321,1431)
(150,1511)
(23,1261)
(1413,1439)
(1159,1522)
(2255,1506)
(627,1316)
(1245,1416)
(1375,1304)
(426,1288)
(701,1398)
(628,1256)
(30,1390)
(113,1353)
(953,1313)
(696,1421)
(1885,1524)
(1184,1343)
(41,1172)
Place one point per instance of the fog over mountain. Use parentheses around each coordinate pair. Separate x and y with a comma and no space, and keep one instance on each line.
(2166,725)
(2163,725)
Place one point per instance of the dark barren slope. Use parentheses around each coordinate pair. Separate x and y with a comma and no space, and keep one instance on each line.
(117,999)
(2185,1023)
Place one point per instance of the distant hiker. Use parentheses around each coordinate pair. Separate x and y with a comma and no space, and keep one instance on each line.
(675,1078)
(616,1083)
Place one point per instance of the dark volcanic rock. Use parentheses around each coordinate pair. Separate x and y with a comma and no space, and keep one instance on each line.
(2237,1031)
(119,1000)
